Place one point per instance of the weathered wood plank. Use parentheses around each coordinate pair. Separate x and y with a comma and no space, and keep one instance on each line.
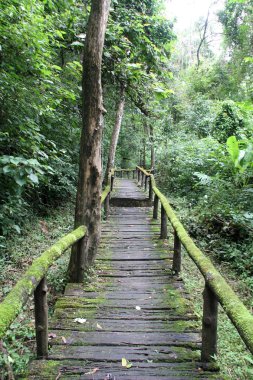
(67,369)
(140,311)
(132,353)
(119,338)
(125,325)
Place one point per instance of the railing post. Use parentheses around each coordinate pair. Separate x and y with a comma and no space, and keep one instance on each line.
(133,174)
(176,266)
(164,218)
(112,182)
(128,174)
(121,173)
(138,175)
(209,325)
(41,319)
(146,182)
(155,209)
(150,191)
(107,206)
(142,179)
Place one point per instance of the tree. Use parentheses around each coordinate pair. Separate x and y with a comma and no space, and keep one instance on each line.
(116,131)
(88,207)
(237,21)
(138,47)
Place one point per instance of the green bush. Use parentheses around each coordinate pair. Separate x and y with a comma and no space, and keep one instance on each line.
(228,122)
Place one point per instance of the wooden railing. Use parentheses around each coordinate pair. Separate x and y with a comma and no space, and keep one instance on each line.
(34,282)
(127,172)
(216,290)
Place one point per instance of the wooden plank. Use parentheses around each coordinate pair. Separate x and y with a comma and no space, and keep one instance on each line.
(141,311)
(120,313)
(115,354)
(66,369)
(116,338)
(125,325)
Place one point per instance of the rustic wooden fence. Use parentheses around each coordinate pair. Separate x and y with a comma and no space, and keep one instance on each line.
(216,290)
(34,282)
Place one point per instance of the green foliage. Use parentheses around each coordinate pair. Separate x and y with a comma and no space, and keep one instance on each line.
(237,21)
(39,115)
(233,357)
(242,158)
(228,122)
(38,235)
(17,348)
(218,193)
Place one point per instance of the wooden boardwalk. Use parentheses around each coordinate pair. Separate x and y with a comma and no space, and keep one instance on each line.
(134,310)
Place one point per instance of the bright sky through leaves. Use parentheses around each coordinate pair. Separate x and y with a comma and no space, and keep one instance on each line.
(187,12)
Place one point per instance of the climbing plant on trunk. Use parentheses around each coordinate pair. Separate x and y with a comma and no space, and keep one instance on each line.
(88,208)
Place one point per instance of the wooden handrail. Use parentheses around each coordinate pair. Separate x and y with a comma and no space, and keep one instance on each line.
(33,281)
(127,171)
(105,193)
(216,286)
(18,296)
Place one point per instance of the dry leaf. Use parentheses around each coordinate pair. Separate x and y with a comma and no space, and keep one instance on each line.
(43,227)
(94,370)
(137,307)
(99,327)
(52,335)
(64,340)
(126,363)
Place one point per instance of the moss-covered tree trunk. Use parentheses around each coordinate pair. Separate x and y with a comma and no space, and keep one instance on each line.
(88,208)
(116,131)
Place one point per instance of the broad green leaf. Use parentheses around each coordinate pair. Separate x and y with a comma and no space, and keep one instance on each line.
(17,228)
(6,169)
(233,148)
(20,181)
(58,68)
(33,177)
(76,43)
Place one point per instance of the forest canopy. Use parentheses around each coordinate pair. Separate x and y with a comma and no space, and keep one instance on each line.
(178,104)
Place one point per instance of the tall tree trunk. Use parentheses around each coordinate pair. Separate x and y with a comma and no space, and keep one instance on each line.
(145,132)
(152,148)
(203,37)
(144,153)
(88,208)
(115,132)
(148,129)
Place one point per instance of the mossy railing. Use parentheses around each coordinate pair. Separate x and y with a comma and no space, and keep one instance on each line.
(34,281)
(216,288)
(127,172)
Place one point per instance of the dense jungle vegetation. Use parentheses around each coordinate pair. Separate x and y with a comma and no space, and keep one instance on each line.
(187,113)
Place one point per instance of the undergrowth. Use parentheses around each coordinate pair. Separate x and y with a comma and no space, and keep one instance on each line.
(18,347)
(233,358)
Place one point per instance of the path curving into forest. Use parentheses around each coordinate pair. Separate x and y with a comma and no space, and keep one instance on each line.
(136,310)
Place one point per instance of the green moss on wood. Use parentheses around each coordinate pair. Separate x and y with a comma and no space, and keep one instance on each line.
(235,309)
(105,192)
(18,296)
(78,302)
